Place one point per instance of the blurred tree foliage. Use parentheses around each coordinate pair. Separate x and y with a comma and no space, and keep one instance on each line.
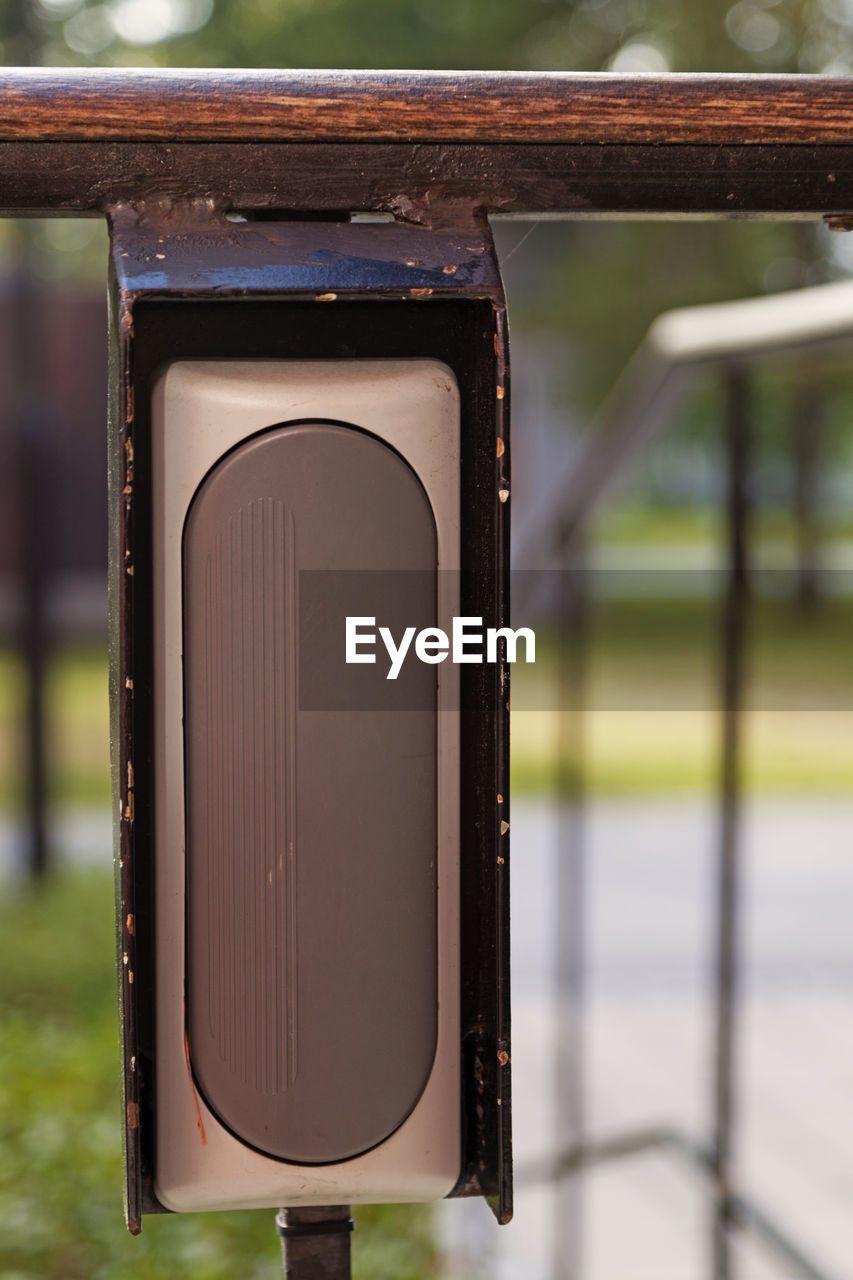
(565,35)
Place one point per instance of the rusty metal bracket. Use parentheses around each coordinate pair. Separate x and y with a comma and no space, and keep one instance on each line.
(190,283)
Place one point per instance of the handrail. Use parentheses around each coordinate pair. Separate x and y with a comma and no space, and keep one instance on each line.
(404,106)
(677,343)
(427,146)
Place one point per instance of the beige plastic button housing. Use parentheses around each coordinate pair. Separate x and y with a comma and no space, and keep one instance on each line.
(322,1072)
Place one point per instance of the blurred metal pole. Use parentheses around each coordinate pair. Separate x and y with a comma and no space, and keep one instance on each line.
(34,529)
(809,412)
(569,899)
(315,1242)
(732,686)
(28,423)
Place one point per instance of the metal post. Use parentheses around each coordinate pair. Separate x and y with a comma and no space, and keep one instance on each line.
(315,1242)
(732,683)
(572,631)
(28,423)
(33,573)
(809,411)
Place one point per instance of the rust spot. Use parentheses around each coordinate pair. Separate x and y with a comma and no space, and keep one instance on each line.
(501,448)
(128,683)
(413,262)
(130,976)
(129,570)
(500,798)
(499,392)
(326,297)
(198,1118)
(128,808)
(133,1063)
(495,343)
(130,925)
(126,320)
(133,1115)
(129,405)
(839,222)
(503,494)
(128,468)
(124,958)
(500,862)
(450,270)
(500,1102)
(420,293)
(160,256)
(503,1057)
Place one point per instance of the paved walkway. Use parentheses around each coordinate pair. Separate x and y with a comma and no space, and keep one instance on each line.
(645,1039)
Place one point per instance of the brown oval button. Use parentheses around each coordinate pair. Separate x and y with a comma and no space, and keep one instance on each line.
(311,794)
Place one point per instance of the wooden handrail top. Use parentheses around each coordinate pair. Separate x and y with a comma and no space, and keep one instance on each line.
(83,104)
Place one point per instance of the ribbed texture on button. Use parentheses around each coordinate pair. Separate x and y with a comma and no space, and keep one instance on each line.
(249,664)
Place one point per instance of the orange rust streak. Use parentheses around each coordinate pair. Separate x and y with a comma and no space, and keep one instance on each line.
(199,1120)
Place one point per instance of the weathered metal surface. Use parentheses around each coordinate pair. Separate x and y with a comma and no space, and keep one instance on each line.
(178,267)
(379,106)
(132,903)
(193,249)
(429,182)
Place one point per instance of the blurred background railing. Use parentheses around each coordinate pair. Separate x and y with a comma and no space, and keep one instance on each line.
(694,721)
(52,531)
(733,343)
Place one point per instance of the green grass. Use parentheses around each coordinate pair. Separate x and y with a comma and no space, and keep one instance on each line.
(651,721)
(651,689)
(60,1159)
(78,742)
(78,702)
(667,653)
(643,524)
